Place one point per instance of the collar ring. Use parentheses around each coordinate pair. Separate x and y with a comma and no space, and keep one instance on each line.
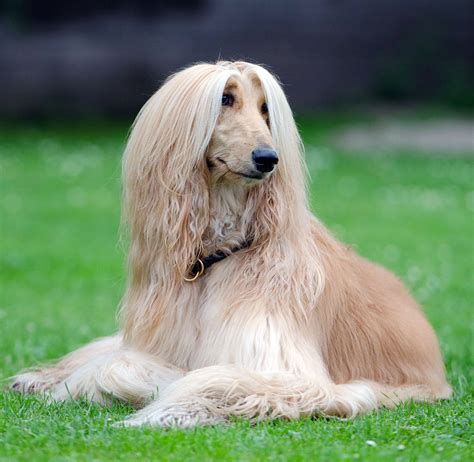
(199,273)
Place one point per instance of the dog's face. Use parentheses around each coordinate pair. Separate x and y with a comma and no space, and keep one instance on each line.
(241,150)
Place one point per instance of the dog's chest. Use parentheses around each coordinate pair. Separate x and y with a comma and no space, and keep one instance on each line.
(211,325)
(226,337)
(244,334)
(225,225)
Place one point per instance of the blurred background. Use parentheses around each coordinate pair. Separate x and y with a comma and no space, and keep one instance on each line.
(91,58)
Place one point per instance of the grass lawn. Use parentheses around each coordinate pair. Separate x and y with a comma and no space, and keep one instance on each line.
(62,275)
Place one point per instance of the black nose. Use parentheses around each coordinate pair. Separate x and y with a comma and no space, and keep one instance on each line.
(264,159)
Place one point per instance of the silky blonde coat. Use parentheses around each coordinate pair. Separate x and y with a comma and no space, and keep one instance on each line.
(297,324)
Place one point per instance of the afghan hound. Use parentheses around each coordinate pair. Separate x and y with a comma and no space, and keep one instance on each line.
(239,301)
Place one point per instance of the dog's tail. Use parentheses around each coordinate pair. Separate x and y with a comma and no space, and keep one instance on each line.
(213,394)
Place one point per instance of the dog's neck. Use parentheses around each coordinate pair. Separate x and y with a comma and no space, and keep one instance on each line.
(226,228)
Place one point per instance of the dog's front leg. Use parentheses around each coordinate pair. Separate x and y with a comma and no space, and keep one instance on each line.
(43,379)
(101,371)
(213,394)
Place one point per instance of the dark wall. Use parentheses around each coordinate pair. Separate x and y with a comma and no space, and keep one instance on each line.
(57,61)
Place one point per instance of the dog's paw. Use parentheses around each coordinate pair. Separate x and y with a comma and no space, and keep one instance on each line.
(34,382)
(171,416)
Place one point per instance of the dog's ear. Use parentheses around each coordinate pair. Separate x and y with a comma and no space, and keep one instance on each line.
(167,206)
(280,203)
(273,210)
(167,209)
(166,193)
(184,215)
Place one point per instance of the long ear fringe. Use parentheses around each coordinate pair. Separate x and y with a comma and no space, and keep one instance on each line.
(166,198)
(281,203)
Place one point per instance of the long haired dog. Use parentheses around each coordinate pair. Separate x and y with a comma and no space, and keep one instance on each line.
(239,301)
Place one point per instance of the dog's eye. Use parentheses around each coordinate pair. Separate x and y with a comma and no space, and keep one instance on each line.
(227,99)
(264,108)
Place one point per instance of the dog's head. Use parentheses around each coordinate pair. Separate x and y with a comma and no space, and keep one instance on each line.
(210,125)
(242,149)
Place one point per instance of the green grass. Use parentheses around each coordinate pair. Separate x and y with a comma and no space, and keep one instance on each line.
(62,275)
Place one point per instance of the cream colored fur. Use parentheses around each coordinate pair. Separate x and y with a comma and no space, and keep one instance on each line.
(295,325)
